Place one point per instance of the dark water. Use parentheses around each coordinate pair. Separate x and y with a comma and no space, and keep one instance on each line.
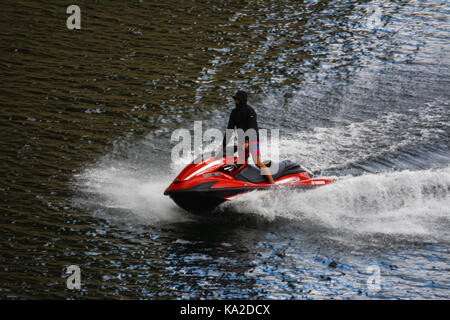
(358,89)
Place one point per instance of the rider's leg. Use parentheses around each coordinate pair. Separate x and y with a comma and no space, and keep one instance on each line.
(254,150)
(266,170)
(242,154)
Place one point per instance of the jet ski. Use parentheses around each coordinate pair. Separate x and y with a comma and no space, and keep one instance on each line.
(202,185)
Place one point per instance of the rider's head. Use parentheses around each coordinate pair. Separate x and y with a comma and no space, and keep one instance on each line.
(240,98)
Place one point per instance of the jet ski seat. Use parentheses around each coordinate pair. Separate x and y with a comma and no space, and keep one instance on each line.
(251,173)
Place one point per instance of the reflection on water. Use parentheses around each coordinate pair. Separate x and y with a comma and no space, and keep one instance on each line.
(359,91)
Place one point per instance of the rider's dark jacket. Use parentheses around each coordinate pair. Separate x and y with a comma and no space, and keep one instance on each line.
(242,117)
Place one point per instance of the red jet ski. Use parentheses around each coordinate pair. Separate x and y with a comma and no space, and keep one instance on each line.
(203,185)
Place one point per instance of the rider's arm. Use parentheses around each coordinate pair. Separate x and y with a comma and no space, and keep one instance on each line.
(253,123)
(231,125)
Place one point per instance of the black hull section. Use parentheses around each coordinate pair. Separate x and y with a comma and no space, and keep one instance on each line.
(202,198)
(196,202)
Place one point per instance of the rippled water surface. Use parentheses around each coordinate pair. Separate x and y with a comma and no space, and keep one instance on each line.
(358,89)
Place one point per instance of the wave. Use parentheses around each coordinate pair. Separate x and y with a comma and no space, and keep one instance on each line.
(349,142)
(405,202)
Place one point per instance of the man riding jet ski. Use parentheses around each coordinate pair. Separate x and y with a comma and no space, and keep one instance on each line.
(202,186)
(244,117)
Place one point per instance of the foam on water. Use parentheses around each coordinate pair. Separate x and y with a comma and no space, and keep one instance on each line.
(136,195)
(405,202)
